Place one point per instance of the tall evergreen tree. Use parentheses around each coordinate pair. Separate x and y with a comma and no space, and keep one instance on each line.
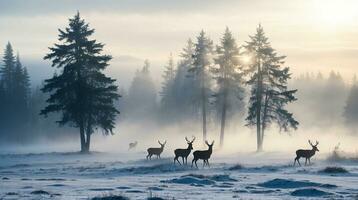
(269,92)
(186,87)
(141,100)
(21,86)
(167,93)
(81,92)
(202,61)
(7,71)
(228,75)
(351,109)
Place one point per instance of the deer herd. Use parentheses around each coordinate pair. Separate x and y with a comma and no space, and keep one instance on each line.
(206,154)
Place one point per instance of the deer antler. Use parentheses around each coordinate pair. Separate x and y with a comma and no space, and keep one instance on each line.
(159,142)
(187,139)
(207,143)
(317,143)
(309,141)
(193,139)
(213,142)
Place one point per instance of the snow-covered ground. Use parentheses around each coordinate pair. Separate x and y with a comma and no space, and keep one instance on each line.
(260,176)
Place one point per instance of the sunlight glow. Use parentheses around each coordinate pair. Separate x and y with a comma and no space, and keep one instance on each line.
(246,59)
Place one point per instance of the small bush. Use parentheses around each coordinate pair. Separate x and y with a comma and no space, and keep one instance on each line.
(334,170)
(236,167)
(111,197)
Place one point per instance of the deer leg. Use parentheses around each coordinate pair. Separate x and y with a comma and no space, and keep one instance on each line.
(183,159)
(294,162)
(306,162)
(196,164)
(298,160)
(192,162)
(150,157)
(309,161)
(207,163)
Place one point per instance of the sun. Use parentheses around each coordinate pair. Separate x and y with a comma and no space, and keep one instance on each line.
(246,59)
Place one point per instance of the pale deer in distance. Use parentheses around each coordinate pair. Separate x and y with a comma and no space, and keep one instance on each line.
(132,145)
(306,153)
(203,155)
(184,153)
(156,151)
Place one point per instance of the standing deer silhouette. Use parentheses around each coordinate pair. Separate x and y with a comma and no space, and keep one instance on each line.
(203,155)
(156,151)
(132,145)
(306,153)
(184,153)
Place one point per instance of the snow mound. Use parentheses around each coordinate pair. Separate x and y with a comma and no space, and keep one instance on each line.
(159,168)
(201,180)
(217,177)
(190,181)
(289,183)
(334,170)
(309,192)
(113,197)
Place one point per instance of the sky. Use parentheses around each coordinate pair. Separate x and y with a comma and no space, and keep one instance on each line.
(315,35)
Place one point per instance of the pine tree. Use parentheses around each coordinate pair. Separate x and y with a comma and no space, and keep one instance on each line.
(269,92)
(228,75)
(7,70)
(21,86)
(81,92)
(351,109)
(202,61)
(141,101)
(167,93)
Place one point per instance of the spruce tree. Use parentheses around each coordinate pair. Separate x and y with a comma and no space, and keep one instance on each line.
(21,86)
(269,92)
(351,108)
(228,75)
(81,92)
(186,87)
(7,71)
(141,100)
(167,93)
(202,61)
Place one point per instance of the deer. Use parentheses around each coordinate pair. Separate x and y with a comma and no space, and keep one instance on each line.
(132,145)
(184,153)
(156,151)
(203,155)
(306,153)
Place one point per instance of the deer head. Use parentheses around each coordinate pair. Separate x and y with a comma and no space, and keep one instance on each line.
(190,143)
(162,144)
(210,145)
(314,147)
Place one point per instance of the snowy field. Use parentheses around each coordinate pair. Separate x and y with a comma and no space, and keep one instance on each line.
(259,176)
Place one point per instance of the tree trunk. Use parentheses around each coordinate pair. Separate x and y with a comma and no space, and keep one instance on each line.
(223,118)
(83,139)
(258,108)
(203,101)
(264,119)
(88,142)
